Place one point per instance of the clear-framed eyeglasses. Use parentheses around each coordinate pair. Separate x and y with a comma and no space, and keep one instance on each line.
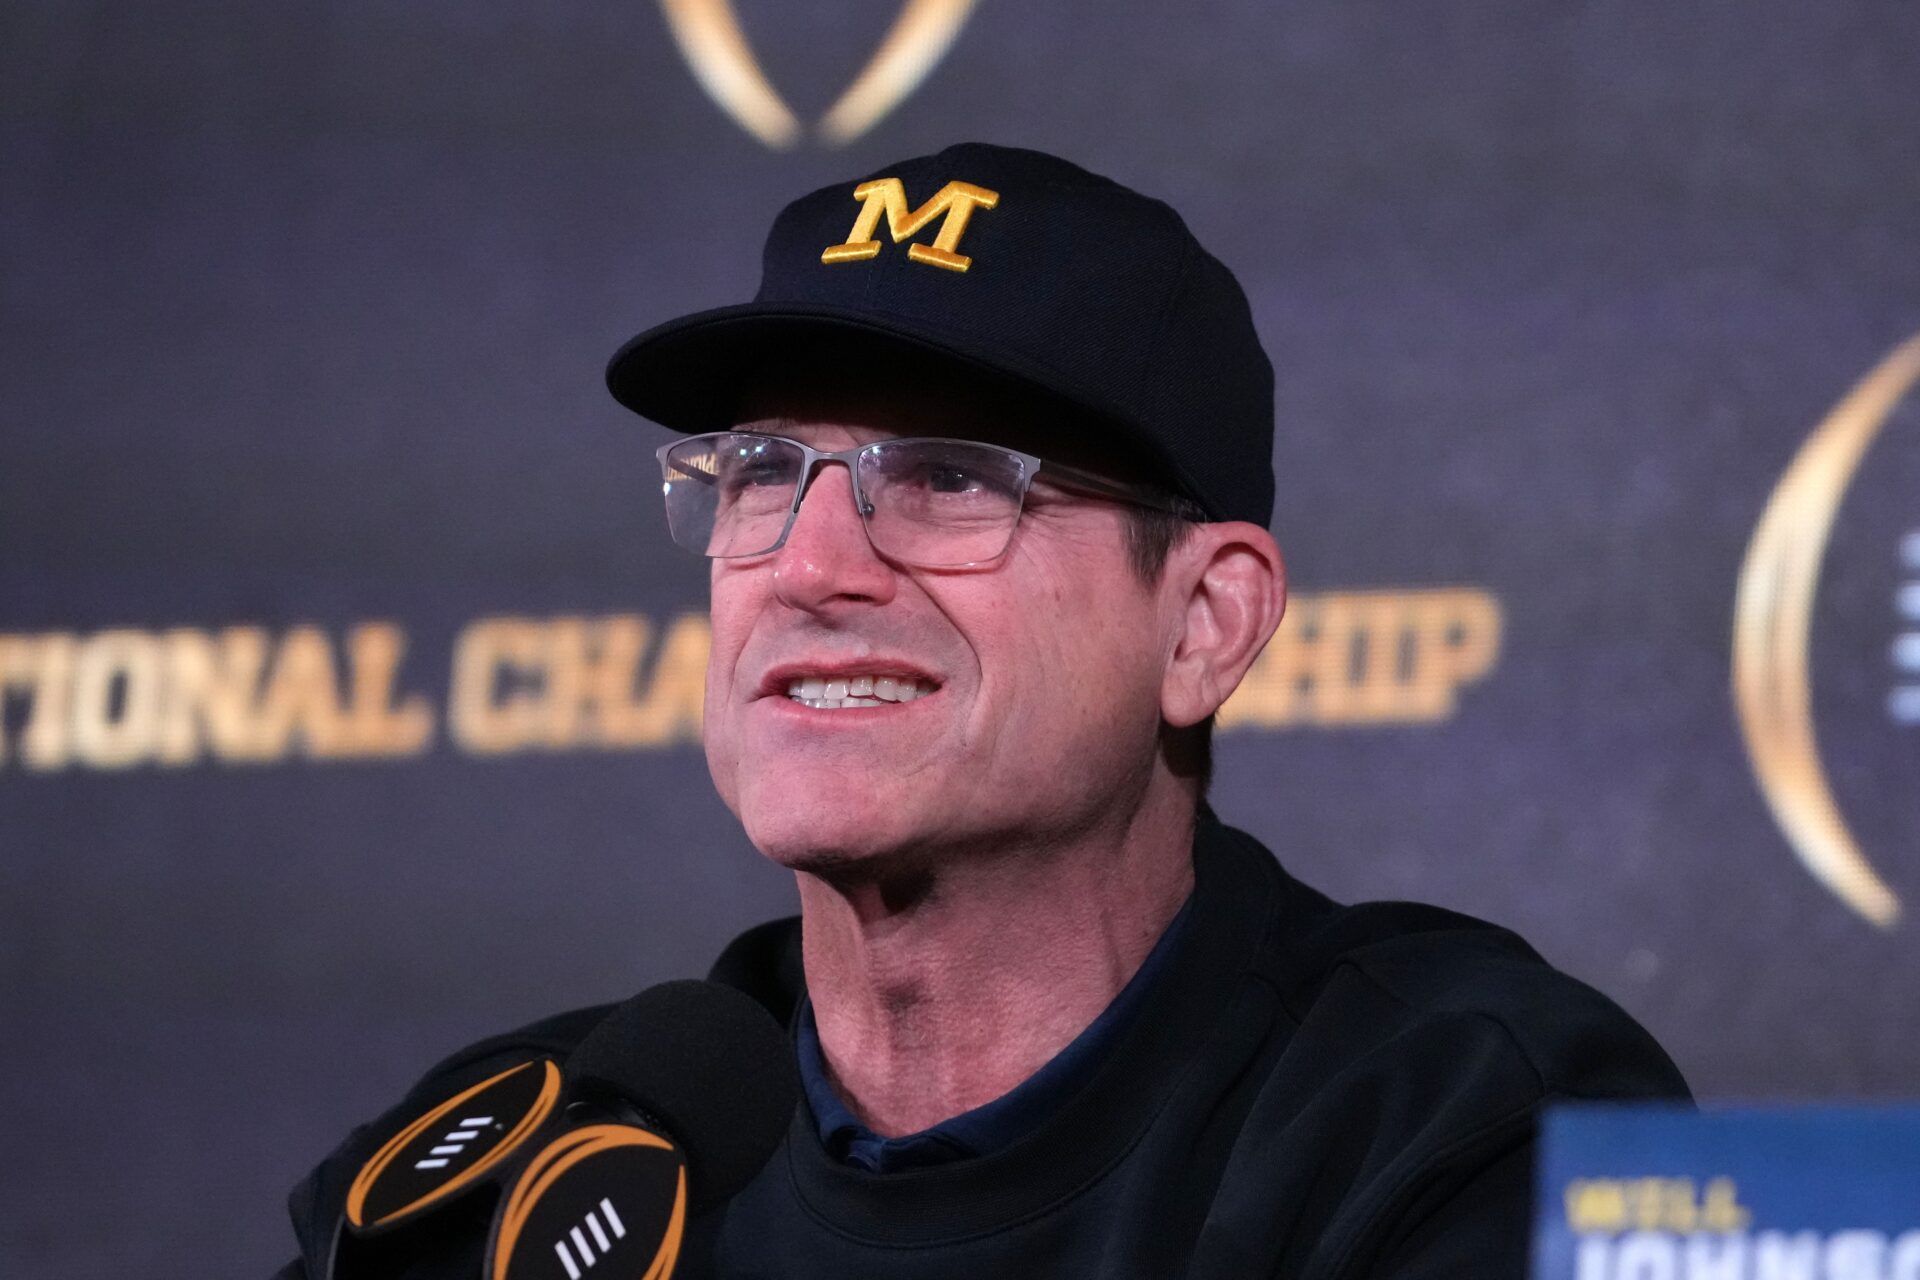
(925,501)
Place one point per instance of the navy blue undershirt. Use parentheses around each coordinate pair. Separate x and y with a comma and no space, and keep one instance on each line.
(993,1125)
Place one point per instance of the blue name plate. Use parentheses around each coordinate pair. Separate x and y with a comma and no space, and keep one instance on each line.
(1630,1192)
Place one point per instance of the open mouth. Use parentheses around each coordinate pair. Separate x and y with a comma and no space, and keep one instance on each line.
(831,694)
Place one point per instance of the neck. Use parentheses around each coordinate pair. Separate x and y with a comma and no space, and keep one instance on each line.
(944,990)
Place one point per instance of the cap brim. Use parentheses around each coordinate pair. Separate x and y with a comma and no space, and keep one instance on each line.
(688,374)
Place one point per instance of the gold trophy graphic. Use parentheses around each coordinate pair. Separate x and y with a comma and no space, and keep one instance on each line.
(709,35)
(1773,622)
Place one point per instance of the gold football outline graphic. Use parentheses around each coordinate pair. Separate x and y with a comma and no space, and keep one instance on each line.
(1772,628)
(709,35)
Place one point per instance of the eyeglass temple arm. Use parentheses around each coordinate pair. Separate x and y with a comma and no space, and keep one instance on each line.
(1087,481)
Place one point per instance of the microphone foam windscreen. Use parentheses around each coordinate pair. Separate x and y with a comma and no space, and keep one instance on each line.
(710,1064)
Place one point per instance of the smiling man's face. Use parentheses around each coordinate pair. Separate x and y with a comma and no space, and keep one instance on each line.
(1038,675)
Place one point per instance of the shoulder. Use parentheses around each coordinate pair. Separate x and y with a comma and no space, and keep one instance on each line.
(1415,1049)
(1395,974)
(1420,967)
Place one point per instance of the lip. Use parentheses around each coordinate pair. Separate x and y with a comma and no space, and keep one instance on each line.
(784,715)
(775,682)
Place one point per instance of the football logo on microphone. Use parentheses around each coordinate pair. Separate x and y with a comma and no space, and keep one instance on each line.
(604,1199)
(447,1149)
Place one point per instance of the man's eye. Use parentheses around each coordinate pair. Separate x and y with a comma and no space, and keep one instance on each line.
(952,480)
(748,475)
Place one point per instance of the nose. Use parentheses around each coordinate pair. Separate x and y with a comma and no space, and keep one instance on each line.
(826,558)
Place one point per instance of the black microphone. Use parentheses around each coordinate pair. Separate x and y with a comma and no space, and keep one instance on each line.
(436,1181)
(677,1100)
(671,1104)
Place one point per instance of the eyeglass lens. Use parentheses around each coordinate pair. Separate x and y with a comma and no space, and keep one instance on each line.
(928,502)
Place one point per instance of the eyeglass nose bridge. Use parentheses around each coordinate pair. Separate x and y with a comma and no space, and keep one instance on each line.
(811,462)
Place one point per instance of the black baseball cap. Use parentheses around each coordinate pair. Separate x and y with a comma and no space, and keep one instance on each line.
(1011,262)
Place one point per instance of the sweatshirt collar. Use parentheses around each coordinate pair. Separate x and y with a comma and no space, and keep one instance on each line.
(1181,1014)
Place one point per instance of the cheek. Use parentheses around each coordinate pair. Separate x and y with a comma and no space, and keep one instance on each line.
(730,618)
(1075,664)
(717,734)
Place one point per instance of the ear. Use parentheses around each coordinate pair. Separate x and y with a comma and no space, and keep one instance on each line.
(1230,588)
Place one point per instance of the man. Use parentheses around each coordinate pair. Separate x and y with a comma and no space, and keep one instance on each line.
(986,504)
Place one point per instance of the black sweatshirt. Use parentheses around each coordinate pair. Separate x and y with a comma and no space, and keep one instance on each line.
(1308,1090)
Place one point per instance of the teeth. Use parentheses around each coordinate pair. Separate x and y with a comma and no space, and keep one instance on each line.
(855,691)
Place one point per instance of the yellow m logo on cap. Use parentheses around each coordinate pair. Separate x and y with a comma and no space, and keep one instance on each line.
(955,202)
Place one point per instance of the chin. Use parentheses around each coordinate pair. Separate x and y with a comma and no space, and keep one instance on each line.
(803,837)
(820,836)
